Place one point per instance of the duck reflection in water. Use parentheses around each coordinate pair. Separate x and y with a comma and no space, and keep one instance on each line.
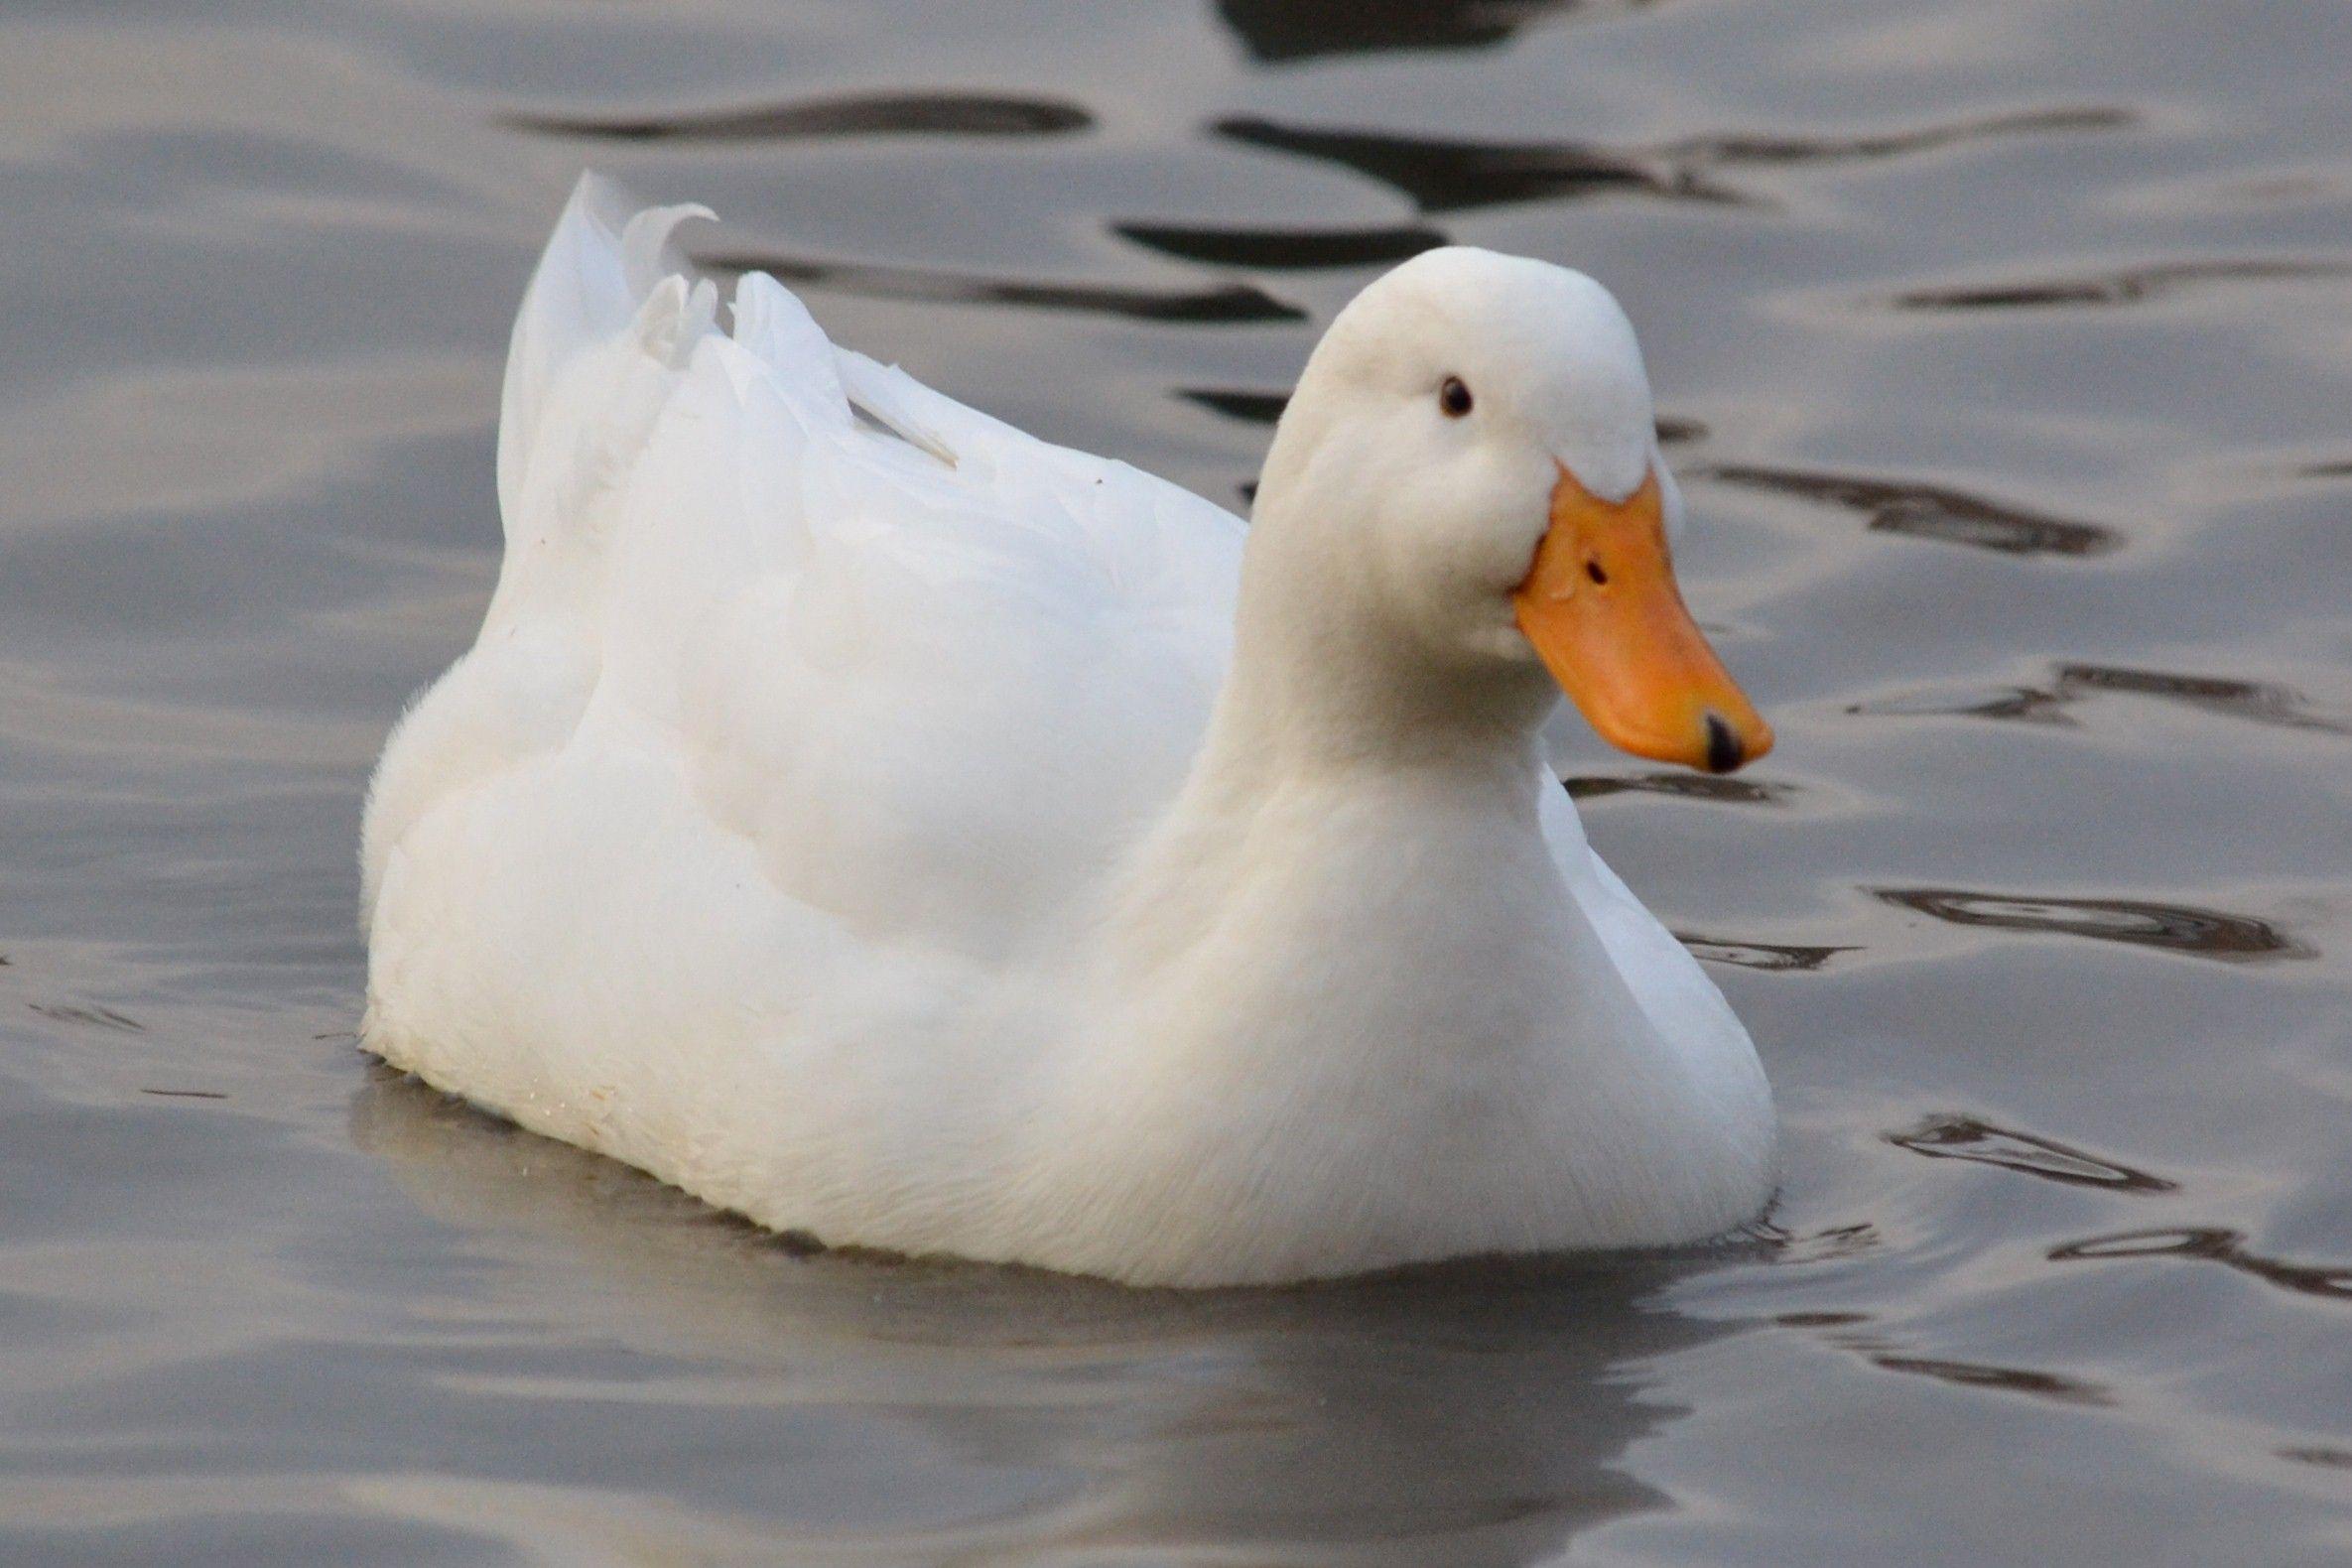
(1468,1415)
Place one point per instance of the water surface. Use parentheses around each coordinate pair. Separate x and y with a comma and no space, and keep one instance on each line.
(2004,353)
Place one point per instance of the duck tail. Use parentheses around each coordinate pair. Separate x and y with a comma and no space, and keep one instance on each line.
(608,267)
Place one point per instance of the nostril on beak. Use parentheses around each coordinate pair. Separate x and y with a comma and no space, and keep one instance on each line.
(1723,747)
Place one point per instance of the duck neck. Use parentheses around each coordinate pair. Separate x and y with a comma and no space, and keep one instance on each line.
(1328,677)
(1345,768)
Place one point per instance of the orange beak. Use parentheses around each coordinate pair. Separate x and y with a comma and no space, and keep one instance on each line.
(1601,606)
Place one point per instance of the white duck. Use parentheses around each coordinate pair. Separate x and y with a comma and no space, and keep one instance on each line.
(898,830)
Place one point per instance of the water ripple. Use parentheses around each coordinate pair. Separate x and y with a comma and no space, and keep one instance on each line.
(1981,1142)
(1772,149)
(873,114)
(2251,701)
(1846,1331)
(1830,1244)
(1443,175)
(89,1014)
(2023,703)
(2131,285)
(2174,928)
(1221,305)
(2212,1245)
(1928,511)
(2004,1379)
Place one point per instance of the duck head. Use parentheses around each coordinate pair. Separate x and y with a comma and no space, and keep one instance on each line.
(1471,459)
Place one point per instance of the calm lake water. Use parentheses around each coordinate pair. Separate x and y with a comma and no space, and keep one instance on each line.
(2005,351)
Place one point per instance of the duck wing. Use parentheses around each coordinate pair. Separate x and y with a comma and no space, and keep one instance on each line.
(936,673)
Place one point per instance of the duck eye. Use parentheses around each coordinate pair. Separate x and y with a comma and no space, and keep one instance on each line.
(1453,397)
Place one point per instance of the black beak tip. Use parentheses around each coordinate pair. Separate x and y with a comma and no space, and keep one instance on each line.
(1723,747)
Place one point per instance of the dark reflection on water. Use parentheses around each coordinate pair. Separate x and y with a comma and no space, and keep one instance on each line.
(1854,1334)
(1681,786)
(1771,956)
(875,114)
(2325,1457)
(1929,511)
(2127,287)
(1279,30)
(1444,174)
(1251,408)
(2025,704)
(1466,1415)
(1440,175)
(1981,1142)
(1283,248)
(2212,1245)
(89,1013)
(2255,701)
(2174,928)
(1217,305)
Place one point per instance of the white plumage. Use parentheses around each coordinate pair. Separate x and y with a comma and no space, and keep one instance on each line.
(838,815)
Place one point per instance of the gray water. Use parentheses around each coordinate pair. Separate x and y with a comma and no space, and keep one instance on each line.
(2004,353)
